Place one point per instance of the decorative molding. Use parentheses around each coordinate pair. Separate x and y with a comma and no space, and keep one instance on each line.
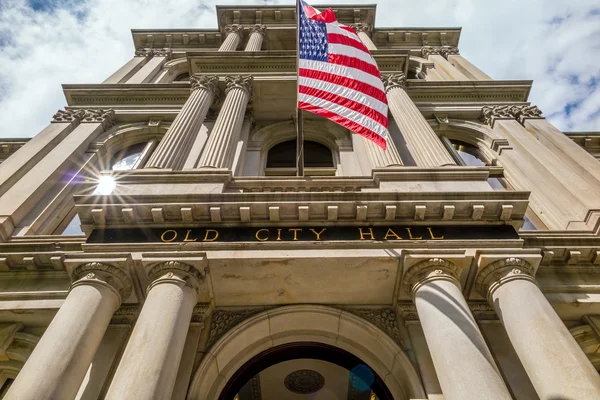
(427,51)
(499,272)
(235,28)
(447,51)
(408,311)
(255,388)
(125,315)
(154,53)
(206,82)
(200,312)
(144,53)
(175,270)
(68,116)
(428,270)
(223,321)
(243,82)
(491,114)
(258,28)
(391,81)
(383,318)
(481,311)
(362,27)
(97,272)
(304,381)
(97,115)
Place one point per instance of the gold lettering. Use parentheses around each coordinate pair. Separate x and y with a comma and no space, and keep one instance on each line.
(370,233)
(187,237)
(164,239)
(318,234)
(410,235)
(295,232)
(391,232)
(278,234)
(262,239)
(211,239)
(433,237)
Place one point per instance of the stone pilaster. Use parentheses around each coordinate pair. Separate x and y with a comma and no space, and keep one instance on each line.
(152,67)
(424,145)
(443,66)
(257,36)
(452,333)
(364,33)
(124,73)
(174,147)
(233,38)
(148,368)
(453,56)
(220,149)
(555,363)
(60,360)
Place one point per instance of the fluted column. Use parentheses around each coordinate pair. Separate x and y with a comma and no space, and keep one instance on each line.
(148,368)
(449,71)
(464,365)
(257,36)
(364,33)
(174,147)
(453,56)
(61,358)
(383,158)
(233,38)
(556,365)
(220,149)
(424,145)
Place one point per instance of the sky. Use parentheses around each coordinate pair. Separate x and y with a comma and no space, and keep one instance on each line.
(45,43)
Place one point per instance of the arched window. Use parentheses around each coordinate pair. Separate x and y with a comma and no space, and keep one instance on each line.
(318,159)
(183,77)
(131,157)
(469,155)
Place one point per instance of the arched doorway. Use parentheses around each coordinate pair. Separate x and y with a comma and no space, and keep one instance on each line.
(326,334)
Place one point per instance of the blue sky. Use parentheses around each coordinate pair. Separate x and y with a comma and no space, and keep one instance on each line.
(44,43)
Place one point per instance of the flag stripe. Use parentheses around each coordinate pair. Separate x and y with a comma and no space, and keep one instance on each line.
(348,123)
(360,119)
(340,90)
(349,51)
(345,82)
(352,62)
(367,80)
(334,38)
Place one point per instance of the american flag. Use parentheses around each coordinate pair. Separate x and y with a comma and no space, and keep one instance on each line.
(337,76)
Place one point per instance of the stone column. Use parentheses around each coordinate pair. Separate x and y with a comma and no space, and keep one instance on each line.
(148,368)
(61,359)
(383,158)
(220,149)
(233,38)
(555,363)
(464,365)
(449,71)
(424,145)
(257,36)
(453,56)
(174,147)
(129,69)
(364,33)
(148,71)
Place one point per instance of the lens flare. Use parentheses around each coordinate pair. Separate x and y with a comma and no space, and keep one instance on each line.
(106,185)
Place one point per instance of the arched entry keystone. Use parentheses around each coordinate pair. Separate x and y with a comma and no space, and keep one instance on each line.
(317,324)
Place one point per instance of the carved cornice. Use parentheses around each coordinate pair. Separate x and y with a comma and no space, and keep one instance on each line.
(96,115)
(499,272)
(491,114)
(361,27)
(238,29)
(175,272)
(68,116)
(443,51)
(261,29)
(243,82)
(103,274)
(391,81)
(206,82)
(427,271)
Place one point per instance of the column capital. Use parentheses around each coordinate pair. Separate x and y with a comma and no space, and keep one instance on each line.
(447,51)
(243,82)
(207,82)
(362,27)
(175,272)
(234,28)
(491,114)
(98,115)
(502,271)
(258,28)
(429,270)
(68,116)
(154,53)
(105,275)
(427,51)
(396,80)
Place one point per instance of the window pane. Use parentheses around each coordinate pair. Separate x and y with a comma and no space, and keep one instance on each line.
(469,154)
(127,158)
(283,155)
(74,227)
(528,226)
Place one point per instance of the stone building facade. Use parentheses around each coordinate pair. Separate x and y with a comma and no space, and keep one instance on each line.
(156,244)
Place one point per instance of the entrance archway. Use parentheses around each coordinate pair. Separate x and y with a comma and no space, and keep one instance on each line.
(308,326)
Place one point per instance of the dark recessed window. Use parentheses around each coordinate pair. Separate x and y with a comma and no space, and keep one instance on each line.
(283,155)
(128,158)
(182,77)
(469,154)
(412,75)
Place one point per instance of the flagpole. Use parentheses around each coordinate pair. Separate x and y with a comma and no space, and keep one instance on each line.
(299,119)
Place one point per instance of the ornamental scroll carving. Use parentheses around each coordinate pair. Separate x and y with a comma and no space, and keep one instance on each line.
(206,82)
(261,29)
(424,271)
(443,51)
(104,273)
(96,115)
(383,318)
(68,116)
(391,81)
(238,29)
(223,321)
(175,270)
(491,114)
(360,27)
(447,51)
(243,82)
(154,53)
(502,271)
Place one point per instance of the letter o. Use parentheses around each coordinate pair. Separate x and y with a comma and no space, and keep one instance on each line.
(162,237)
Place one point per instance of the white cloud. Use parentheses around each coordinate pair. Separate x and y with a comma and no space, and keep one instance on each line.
(550,41)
